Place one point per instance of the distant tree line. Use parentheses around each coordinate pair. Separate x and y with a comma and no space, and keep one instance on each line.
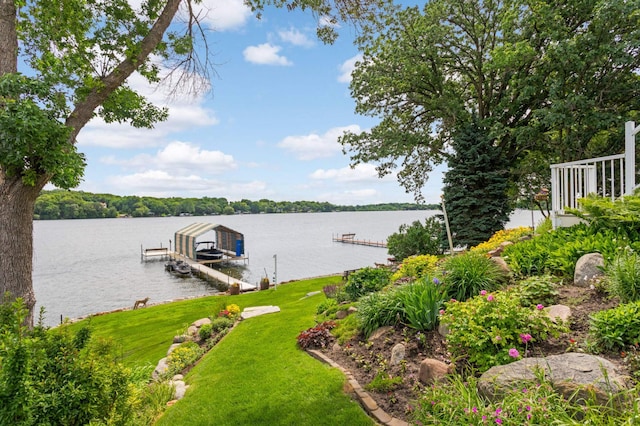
(62,204)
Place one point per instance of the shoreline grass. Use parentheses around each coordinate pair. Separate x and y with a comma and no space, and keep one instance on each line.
(256,374)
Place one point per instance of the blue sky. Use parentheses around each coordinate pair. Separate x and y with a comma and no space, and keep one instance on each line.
(268,129)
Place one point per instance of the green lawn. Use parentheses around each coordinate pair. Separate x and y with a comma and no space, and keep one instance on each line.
(256,374)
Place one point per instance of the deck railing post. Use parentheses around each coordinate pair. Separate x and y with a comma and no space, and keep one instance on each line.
(630,131)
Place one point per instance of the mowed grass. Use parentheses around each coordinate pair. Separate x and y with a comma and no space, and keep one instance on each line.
(256,375)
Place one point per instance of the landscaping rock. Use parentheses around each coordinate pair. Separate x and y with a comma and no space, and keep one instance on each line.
(555,312)
(397,354)
(201,322)
(172,348)
(432,370)
(498,251)
(443,330)
(352,310)
(502,264)
(574,375)
(588,269)
(341,315)
(161,369)
(192,330)
(380,332)
(181,338)
(180,388)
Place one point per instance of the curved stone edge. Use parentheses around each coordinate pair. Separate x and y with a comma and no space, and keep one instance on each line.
(368,403)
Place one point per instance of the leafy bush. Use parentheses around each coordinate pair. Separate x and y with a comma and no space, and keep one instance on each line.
(50,376)
(233,309)
(205,331)
(316,337)
(558,252)
(618,327)
(421,302)
(500,237)
(366,280)
(468,273)
(327,305)
(416,239)
(484,330)
(221,324)
(537,290)
(416,267)
(621,216)
(623,275)
(183,356)
(378,309)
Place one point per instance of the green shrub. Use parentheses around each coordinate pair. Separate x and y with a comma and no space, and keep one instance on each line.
(366,280)
(484,329)
(327,305)
(623,275)
(620,216)
(558,252)
(544,227)
(221,324)
(53,377)
(500,237)
(416,267)
(183,356)
(613,329)
(378,309)
(205,332)
(421,302)
(466,274)
(537,290)
(416,239)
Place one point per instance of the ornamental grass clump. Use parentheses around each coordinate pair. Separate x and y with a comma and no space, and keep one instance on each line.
(623,276)
(484,329)
(466,274)
(421,302)
(379,309)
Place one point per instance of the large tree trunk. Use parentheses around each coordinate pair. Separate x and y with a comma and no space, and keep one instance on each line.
(16,240)
(8,37)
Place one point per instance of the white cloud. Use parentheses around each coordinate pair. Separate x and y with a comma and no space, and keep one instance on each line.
(265,54)
(360,173)
(157,182)
(180,157)
(347,68)
(222,15)
(295,37)
(312,146)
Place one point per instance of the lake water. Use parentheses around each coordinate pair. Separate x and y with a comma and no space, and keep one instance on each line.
(93,265)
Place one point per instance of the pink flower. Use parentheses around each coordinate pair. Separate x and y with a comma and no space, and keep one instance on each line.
(483,292)
(539,307)
(474,409)
(499,420)
(490,298)
(525,337)
(441,312)
(513,353)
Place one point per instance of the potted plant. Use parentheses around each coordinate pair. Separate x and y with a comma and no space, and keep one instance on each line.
(264,283)
(234,289)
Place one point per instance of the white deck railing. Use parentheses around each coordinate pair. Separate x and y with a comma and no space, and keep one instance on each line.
(611,176)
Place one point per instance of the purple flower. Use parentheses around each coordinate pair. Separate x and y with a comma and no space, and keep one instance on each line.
(490,298)
(513,353)
(539,307)
(525,337)
(483,292)
(436,281)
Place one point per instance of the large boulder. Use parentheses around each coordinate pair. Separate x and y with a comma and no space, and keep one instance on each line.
(432,370)
(588,268)
(574,375)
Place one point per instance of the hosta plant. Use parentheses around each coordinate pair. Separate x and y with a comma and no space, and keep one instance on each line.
(614,329)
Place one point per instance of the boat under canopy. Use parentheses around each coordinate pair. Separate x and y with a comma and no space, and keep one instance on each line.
(227,240)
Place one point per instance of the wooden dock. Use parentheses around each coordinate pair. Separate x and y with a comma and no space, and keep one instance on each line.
(351,239)
(213,273)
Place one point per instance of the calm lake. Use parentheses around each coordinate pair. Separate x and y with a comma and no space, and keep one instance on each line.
(93,265)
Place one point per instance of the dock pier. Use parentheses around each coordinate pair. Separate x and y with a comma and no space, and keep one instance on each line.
(351,239)
(213,273)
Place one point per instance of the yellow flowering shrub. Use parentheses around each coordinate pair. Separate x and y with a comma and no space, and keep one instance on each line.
(416,267)
(501,236)
(233,309)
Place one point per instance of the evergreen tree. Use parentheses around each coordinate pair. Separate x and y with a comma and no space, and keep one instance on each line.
(475,187)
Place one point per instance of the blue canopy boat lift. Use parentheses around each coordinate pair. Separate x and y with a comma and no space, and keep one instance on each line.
(226,245)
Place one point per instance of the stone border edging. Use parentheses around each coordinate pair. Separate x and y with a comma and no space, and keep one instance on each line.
(370,406)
